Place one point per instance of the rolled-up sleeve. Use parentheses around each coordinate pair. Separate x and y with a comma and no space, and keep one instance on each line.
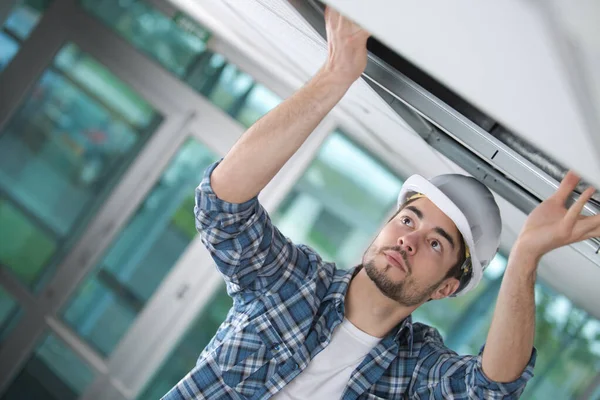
(249,251)
(442,373)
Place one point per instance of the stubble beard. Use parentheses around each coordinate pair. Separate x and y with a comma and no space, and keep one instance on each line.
(404,292)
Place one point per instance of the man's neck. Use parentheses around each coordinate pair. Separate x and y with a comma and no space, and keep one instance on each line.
(371,311)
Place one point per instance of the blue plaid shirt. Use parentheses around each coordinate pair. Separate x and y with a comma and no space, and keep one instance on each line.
(287,302)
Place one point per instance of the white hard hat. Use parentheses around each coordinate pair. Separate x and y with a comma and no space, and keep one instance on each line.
(472,208)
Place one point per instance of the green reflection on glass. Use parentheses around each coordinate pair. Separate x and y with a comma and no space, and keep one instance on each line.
(231,89)
(179,45)
(142,255)
(25,247)
(60,155)
(568,344)
(113,93)
(175,43)
(259,102)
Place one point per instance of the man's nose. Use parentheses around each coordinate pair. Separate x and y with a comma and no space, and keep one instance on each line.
(408,243)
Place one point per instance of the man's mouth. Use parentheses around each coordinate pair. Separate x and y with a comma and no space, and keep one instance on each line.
(395,259)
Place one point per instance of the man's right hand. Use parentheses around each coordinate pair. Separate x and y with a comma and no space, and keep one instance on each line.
(347,47)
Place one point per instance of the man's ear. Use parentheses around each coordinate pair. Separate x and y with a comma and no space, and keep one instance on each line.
(447,288)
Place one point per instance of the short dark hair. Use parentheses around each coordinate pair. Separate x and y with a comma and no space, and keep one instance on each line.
(456,271)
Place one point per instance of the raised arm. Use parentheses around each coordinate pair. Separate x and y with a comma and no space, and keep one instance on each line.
(502,370)
(551,225)
(263,150)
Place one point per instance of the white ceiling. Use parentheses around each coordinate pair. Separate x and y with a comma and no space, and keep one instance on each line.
(506,57)
(276,38)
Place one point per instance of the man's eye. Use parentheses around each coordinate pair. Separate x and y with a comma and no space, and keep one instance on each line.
(436,245)
(405,220)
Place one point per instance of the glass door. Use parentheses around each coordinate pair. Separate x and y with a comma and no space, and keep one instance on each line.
(61,153)
(100,152)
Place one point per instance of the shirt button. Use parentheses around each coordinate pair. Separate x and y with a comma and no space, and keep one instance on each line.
(276,347)
(323,339)
(296,366)
(339,308)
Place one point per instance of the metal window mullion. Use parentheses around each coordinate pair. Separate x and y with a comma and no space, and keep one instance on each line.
(12,356)
(91,357)
(16,289)
(36,53)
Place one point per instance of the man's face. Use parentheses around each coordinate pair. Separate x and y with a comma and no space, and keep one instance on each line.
(409,259)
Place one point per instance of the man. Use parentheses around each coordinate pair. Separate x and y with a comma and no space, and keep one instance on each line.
(300,328)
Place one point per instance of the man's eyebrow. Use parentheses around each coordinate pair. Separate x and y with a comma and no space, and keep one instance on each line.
(414,209)
(445,235)
(439,230)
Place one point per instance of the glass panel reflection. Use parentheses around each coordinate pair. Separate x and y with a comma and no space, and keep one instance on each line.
(142,255)
(568,343)
(176,43)
(24,243)
(24,16)
(54,372)
(259,102)
(179,45)
(8,49)
(231,89)
(60,155)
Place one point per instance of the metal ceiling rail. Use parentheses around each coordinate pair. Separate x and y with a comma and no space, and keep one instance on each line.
(473,164)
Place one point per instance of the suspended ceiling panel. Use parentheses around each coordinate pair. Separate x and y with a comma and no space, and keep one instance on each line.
(531,65)
(276,38)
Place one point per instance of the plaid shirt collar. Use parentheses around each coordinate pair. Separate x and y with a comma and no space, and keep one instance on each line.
(339,287)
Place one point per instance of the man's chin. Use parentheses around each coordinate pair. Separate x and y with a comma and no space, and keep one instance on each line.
(384,273)
(393,273)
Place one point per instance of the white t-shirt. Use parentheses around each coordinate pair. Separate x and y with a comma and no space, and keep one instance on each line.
(327,375)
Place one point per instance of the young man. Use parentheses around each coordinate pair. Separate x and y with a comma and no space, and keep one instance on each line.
(300,328)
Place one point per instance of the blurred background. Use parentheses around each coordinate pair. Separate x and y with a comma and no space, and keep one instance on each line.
(110,110)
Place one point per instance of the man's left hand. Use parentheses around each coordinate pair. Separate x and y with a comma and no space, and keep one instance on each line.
(551,225)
